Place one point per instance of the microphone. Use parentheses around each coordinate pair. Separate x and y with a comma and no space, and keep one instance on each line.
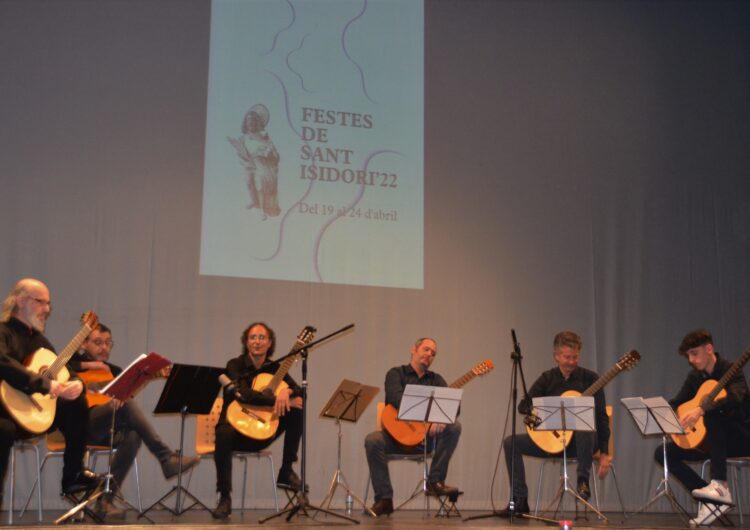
(516,346)
(229,386)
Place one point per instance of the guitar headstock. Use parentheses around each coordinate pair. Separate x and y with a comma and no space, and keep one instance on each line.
(305,337)
(90,320)
(629,360)
(483,368)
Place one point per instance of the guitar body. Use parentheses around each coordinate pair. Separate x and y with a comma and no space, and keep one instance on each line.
(552,441)
(96,380)
(259,423)
(408,433)
(36,412)
(693,439)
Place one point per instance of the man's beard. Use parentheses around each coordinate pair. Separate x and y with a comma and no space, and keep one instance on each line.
(38,323)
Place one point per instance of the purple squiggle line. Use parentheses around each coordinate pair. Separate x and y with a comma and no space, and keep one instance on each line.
(354,202)
(343,47)
(309,188)
(275,37)
(301,79)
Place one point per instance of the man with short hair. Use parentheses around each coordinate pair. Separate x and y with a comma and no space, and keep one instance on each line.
(131,425)
(443,437)
(727,422)
(567,375)
(24,316)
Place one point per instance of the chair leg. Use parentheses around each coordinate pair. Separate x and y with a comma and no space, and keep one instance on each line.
(273,483)
(36,483)
(12,482)
(736,491)
(138,484)
(367,490)
(538,486)
(244,483)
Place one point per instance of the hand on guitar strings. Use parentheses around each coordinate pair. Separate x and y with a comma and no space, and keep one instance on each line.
(690,418)
(68,390)
(284,402)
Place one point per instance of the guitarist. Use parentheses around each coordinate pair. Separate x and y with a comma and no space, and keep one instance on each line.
(380,443)
(24,316)
(131,425)
(727,422)
(566,376)
(258,345)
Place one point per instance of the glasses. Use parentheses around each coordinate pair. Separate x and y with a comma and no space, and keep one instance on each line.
(258,337)
(41,301)
(100,342)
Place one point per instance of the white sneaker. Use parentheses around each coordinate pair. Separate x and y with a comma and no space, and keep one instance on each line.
(707,514)
(715,491)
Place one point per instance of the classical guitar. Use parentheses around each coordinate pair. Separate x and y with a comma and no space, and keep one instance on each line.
(710,391)
(260,423)
(36,412)
(552,441)
(411,433)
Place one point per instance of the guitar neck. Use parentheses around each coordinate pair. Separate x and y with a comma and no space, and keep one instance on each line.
(281,372)
(461,381)
(67,352)
(602,381)
(724,381)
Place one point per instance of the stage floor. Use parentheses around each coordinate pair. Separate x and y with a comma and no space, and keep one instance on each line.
(407,519)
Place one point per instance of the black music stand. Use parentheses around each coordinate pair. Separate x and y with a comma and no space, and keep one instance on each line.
(562,413)
(347,403)
(190,389)
(655,417)
(428,404)
(123,388)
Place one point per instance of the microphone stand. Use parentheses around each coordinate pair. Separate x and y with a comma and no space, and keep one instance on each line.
(516,357)
(299,501)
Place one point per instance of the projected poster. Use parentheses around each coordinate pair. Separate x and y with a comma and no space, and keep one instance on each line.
(314,142)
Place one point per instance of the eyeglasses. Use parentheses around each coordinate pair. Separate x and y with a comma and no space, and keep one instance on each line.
(258,337)
(41,301)
(100,342)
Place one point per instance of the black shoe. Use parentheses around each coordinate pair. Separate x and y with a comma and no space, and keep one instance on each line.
(583,488)
(521,507)
(84,480)
(382,507)
(440,488)
(289,480)
(224,508)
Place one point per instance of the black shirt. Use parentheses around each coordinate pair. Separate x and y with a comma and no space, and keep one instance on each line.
(737,402)
(17,342)
(552,383)
(242,371)
(398,377)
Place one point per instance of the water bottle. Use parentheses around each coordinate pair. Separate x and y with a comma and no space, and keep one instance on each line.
(349,503)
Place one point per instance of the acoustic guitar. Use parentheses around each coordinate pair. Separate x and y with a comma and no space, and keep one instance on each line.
(710,391)
(260,423)
(411,433)
(36,412)
(552,441)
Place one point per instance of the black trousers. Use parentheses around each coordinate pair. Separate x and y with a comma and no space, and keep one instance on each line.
(228,440)
(726,438)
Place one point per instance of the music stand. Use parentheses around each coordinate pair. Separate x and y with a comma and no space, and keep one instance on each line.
(190,389)
(655,417)
(123,388)
(428,404)
(565,413)
(348,402)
